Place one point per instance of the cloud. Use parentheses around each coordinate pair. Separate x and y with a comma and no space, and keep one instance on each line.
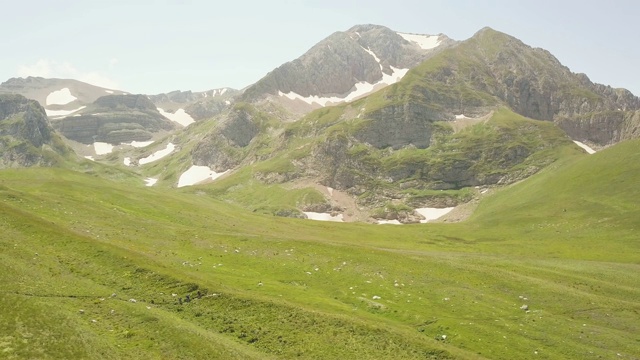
(52,69)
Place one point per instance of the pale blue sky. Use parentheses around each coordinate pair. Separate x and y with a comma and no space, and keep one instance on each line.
(158,46)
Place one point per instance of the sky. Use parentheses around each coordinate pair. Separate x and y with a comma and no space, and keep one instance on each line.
(151,47)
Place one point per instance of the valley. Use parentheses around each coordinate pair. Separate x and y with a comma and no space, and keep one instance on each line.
(473,199)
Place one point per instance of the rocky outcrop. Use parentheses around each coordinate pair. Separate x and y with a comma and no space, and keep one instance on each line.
(239,128)
(602,128)
(225,147)
(115,119)
(398,126)
(24,119)
(26,137)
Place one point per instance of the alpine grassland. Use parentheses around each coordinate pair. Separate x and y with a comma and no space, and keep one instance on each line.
(99,266)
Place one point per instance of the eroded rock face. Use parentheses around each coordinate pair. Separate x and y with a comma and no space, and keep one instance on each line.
(115,119)
(26,137)
(24,119)
(239,128)
(223,148)
(398,126)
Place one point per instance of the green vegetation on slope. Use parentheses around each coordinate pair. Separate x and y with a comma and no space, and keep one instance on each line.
(297,288)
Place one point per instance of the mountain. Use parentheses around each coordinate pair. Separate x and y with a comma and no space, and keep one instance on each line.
(493,67)
(114,119)
(487,111)
(345,66)
(26,137)
(197,105)
(59,97)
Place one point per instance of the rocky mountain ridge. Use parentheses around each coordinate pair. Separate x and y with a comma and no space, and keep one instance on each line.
(346,65)
(115,119)
(26,137)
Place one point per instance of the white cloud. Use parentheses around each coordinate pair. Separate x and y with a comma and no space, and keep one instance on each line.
(52,69)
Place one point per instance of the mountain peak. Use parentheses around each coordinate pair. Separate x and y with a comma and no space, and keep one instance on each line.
(346,66)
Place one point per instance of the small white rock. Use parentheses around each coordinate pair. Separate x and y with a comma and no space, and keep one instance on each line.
(376,297)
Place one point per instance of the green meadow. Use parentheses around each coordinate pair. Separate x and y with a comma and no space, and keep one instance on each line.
(96,266)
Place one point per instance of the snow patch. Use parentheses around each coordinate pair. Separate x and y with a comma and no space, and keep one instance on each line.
(374,56)
(389,222)
(90,158)
(426,42)
(150,181)
(158,154)
(180,116)
(139,144)
(586,147)
(323,216)
(102,148)
(362,88)
(223,91)
(127,161)
(57,113)
(432,213)
(462,116)
(227,102)
(108,91)
(60,97)
(196,174)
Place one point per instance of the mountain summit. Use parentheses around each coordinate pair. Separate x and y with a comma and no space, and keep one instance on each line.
(347,65)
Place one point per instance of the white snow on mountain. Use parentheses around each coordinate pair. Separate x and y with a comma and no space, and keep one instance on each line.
(62,113)
(432,213)
(60,97)
(150,181)
(158,154)
(323,216)
(102,148)
(196,174)
(139,144)
(426,42)
(586,147)
(389,222)
(374,56)
(108,91)
(361,89)
(180,116)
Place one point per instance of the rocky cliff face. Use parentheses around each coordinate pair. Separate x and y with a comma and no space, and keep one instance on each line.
(115,119)
(227,145)
(26,137)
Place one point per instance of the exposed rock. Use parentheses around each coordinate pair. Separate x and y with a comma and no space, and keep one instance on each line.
(334,65)
(115,119)
(26,137)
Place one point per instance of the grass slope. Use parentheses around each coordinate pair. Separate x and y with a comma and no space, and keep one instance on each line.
(284,288)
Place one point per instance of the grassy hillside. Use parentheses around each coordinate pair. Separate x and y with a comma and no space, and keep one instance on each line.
(77,248)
